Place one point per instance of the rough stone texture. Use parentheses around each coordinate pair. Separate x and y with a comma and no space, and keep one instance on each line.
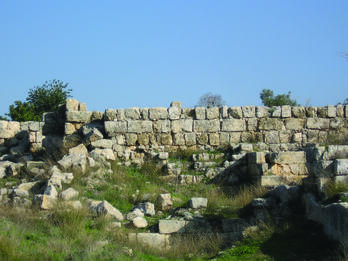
(341,167)
(198,203)
(139,222)
(164,201)
(233,125)
(134,214)
(295,124)
(286,111)
(248,111)
(235,112)
(68,194)
(102,144)
(262,111)
(102,154)
(271,124)
(184,125)
(147,208)
(206,126)
(132,113)
(174,111)
(158,113)
(318,123)
(213,113)
(287,157)
(73,161)
(200,113)
(162,126)
(112,128)
(105,208)
(79,150)
(171,226)
(78,116)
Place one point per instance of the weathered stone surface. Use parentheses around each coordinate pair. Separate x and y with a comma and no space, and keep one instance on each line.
(224,112)
(24,189)
(73,161)
(183,125)
(147,208)
(162,126)
(92,134)
(105,208)
(233,125)
(134,214)
(295,124)
(158,114)
(45,202)
(214,139)
(78,116)
(213,113)
(164,201)
(271,181)
(224,138)
(262,111)
(79,150)
(112,128)
(198,203)
(272,137)
(322,112)
(286,111)
(174,111)
(140,126)
(57,178)
(321,168)
(318,123)
(178,139)
(8,129)
(299,112)
(206,125)
(131,139)
(331,111)
(153,240)
(132,114)
(271,124)
(248,111)
(51,191)
(171,226)
(235,112)
(71,105)
(287,157)
(190,139)
(139,222)
(69,194)
(102,154)
(341,167)
(200,113)
(276,111)
(110,115)
(102,144)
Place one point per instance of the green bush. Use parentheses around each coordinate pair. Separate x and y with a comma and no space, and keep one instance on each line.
(268,99)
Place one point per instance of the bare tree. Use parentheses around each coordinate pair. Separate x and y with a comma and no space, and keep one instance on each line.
(211,100)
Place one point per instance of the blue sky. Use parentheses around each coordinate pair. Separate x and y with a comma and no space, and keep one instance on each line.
(119,54)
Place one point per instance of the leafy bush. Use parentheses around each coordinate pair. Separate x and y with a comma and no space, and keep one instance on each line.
(268,99)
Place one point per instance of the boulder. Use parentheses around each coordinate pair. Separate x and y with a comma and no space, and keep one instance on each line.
(139,222)
(102,154)
(198,203)
(134,214)
(79,150)
(69,194)
(147,208)
(164,201)
(105,208)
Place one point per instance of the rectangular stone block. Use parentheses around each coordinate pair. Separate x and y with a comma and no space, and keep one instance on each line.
(171,226)
(286,111)
(248,111)
(141,126)
(276,111)
(271,181)
(200,113)
(294,124)
(271,124)
(258,169)
(78,116)
(272,137)
(298,112)
(262,111)
(287,157)
(341,167)
(112,128)
(190,139)
(340,111)
(311,112)
(322,112)
(132,114)
(161,126)
(318,123)
(331,111)
(206,125)
(233,125)
(224,138)
(158,113)
(110,114)
(34,126)
(178,139)
(153,241)
(214,139)
(174,112)
(213,113)
(202,138)
(235,112)
(183,125)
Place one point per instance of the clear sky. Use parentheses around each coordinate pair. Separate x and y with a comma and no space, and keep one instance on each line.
(119,54)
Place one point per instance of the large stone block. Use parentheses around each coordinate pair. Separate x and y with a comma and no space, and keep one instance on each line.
(171,226)
(298,112)
(272,137)
(174,112)
(153,240)
(71,105)
(143,139)
(341,167)
(166,139)
(202,138)
(190,139)
(9,129)
(311,112)
(294,124)
(132,113)
(248,111)
(214,139)
(200,113)
(158,113)
(140,126)
(162,126)
(340,111)
(224,138)
(271,124)
(262,111)
(102,143)
(322,112)
(287,157)
(178,139)
(331,111)
(198,203)
(233,125)
(318,123)
(276,111)
(112,128)
(224,112)
(213,113)
(78,116)
(286,111)
(206,125)
(110,114)
(235,112)
(183,125)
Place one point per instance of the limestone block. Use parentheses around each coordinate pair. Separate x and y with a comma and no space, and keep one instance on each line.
(34,126)
(296,137)
(336,123)
(162,126)
(285,136)
(163,155)
(256,158)
(71,105)
(287,157)
(140,126)
(187,113)
(312,136)
(340,111)
(110,115)
(178,139)
(105,208)
(69,194)
(9,129)
(233,125)
(134,213)
(262,111)
(190,139)
(120,115)
(82,106)
(214,139)
(132,114)
(224,112)
(206,125)
(224,138)
(32,137)
(272,137)
(102,144)
(78,116)
(235,112)
(286,111)
(341,167)
(311,112)
(294,124)
(252,124)
(102,154)
(213,113)
(143,139)
(271,124)
(153,240)
(235,137)
(164,201)
(171,226)
(183,125)
(333,152)
(322,112)
(331,111)
(248,111)
(341,180)
(79,150)
(92,135)
(298,112)
(147,208)
(272,181)
(174,112)
(73,161)
(318,123)
(196,203)
(200,113)
(158,113)
(139,222)
(276,111)
(144,113)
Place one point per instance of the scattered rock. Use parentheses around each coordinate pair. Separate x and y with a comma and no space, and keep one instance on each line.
(164,201)
(139,222)
(198,203)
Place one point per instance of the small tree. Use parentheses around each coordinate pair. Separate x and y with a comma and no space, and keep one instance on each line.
(268,99)
(211,100)
(44,98)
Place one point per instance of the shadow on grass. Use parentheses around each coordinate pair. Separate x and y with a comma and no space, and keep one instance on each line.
(303,240)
